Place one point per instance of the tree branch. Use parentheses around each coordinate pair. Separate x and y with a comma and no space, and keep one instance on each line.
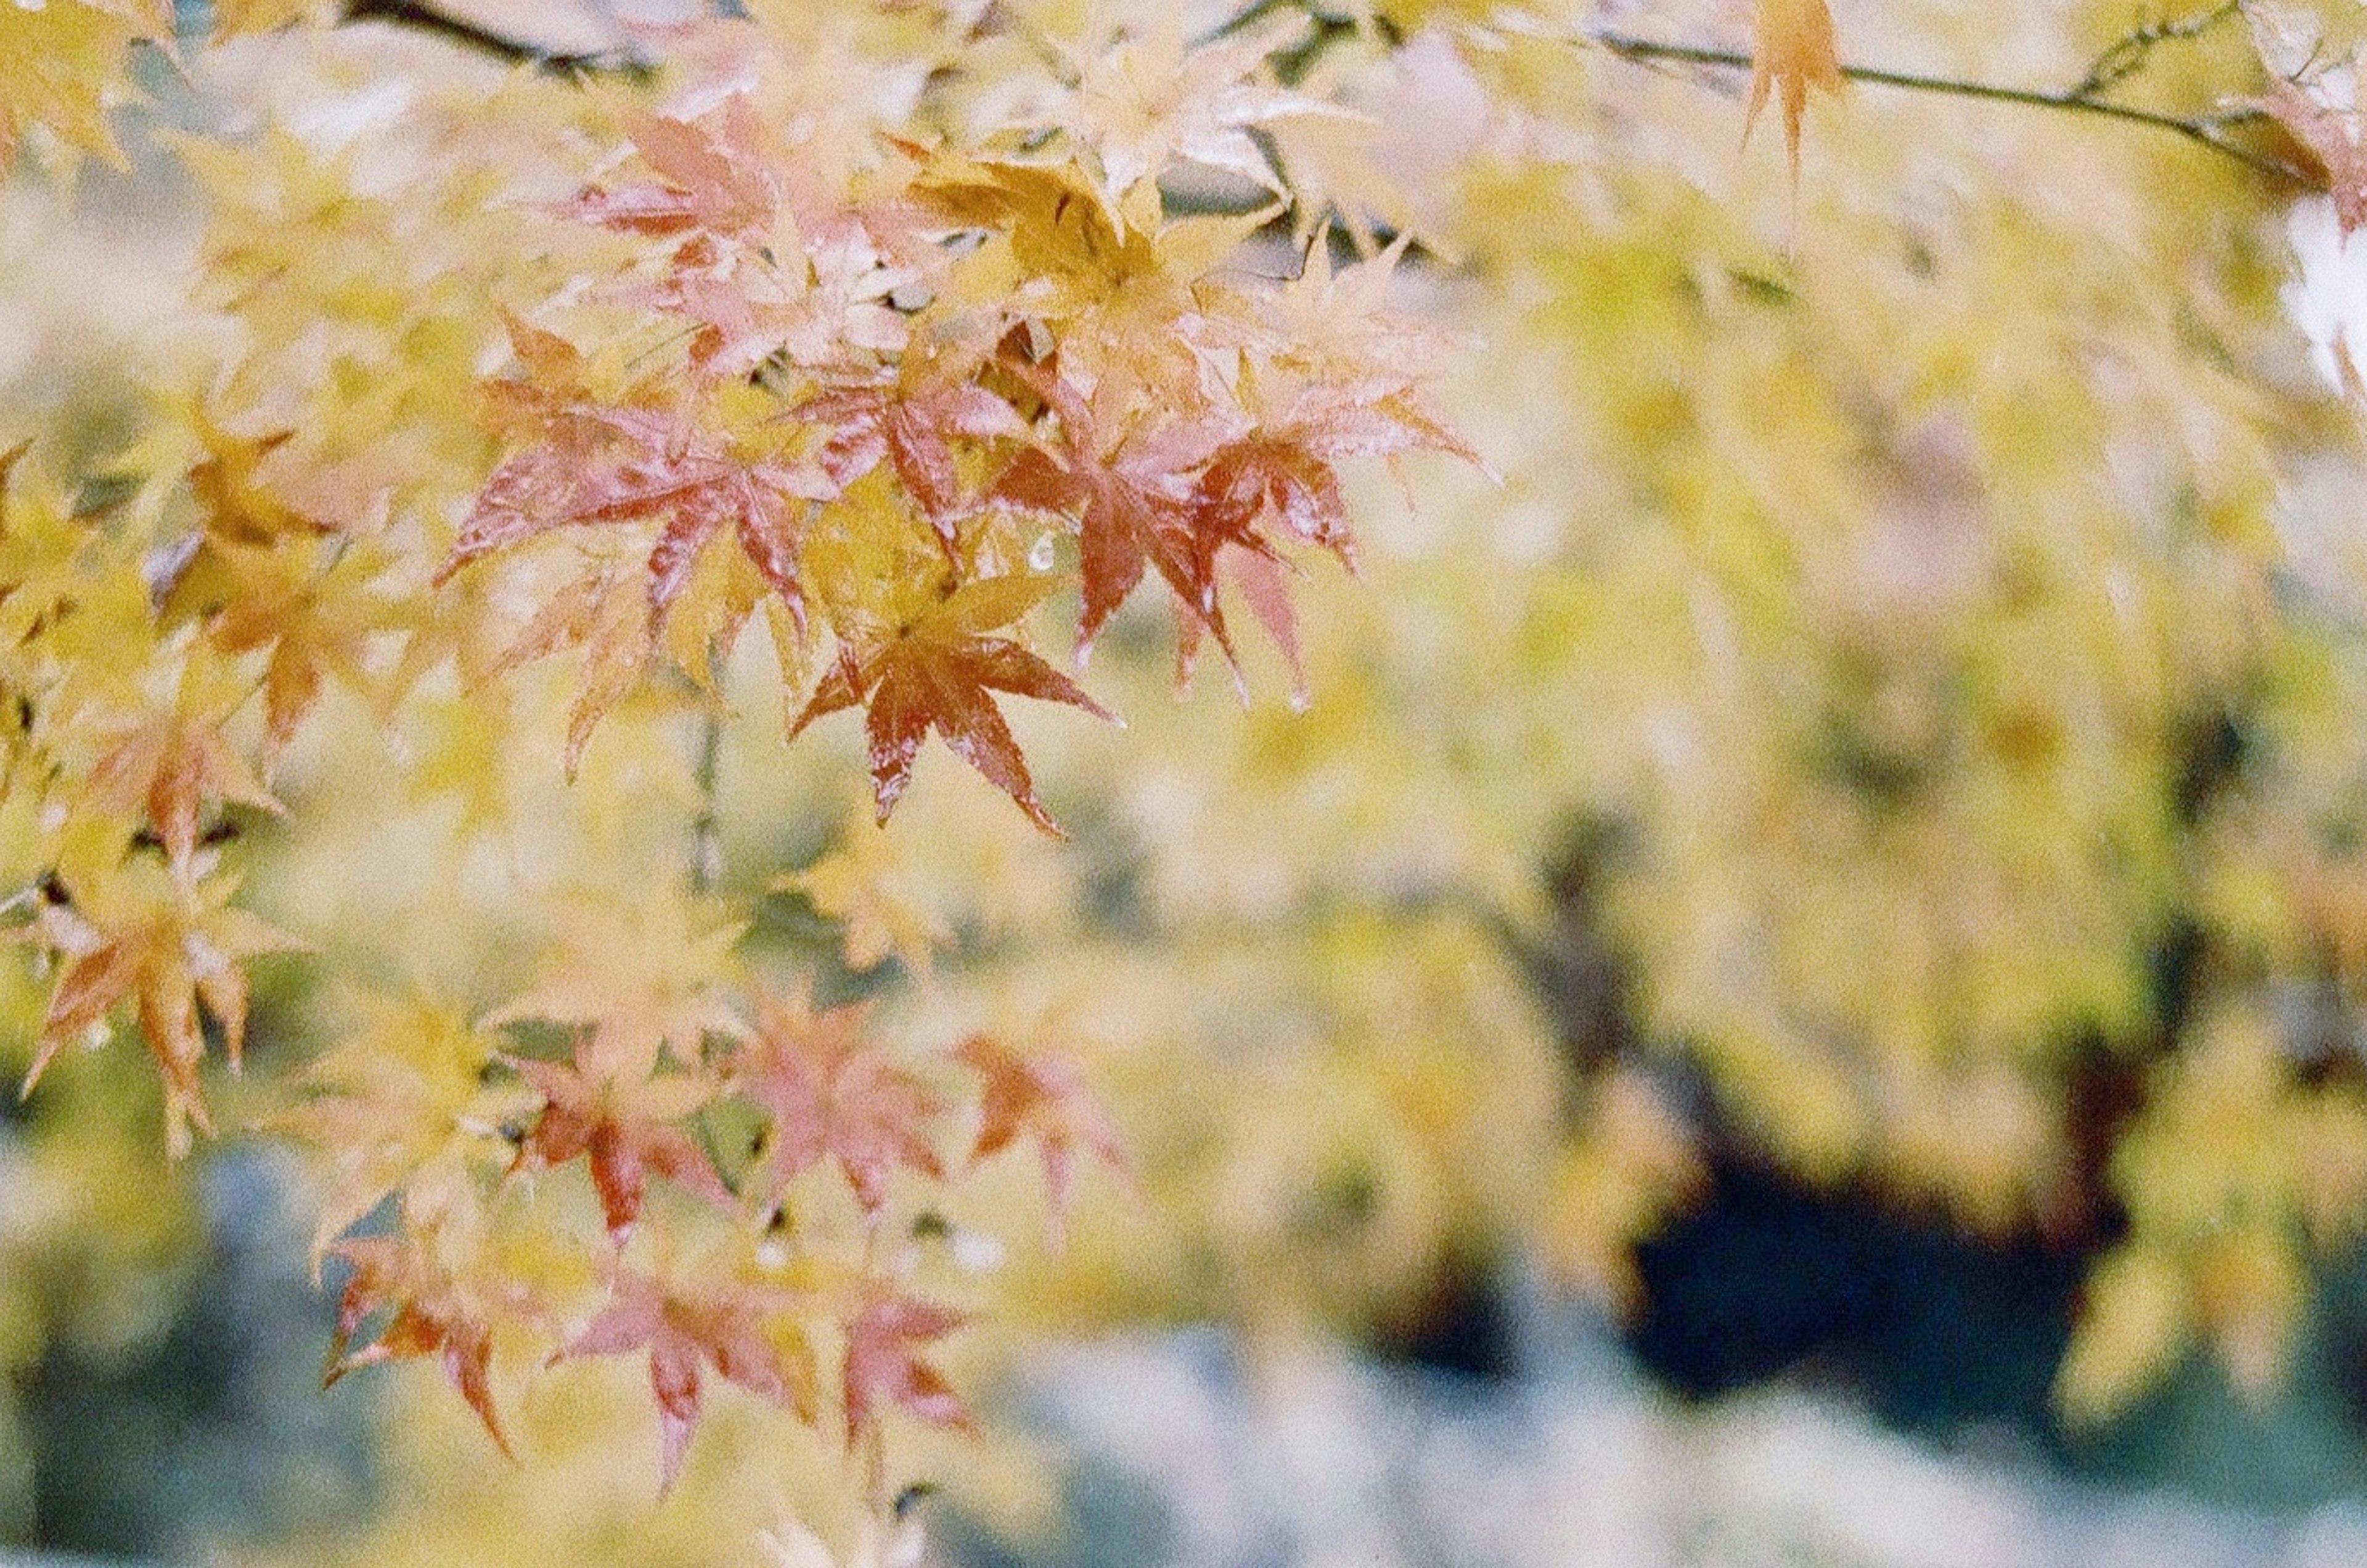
(707,827)
(2127,54)
(2210,130)
(426,19)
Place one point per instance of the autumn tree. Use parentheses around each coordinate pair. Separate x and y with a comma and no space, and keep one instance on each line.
(516,633)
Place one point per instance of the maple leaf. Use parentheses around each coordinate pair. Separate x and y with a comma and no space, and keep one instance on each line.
(317,618)
(1155,100)
(405,1094)
(864,884)
(642,975)
(712,176)
(884,1364)
(2333,133)
(938,672)
(829,1093)
(1793,52)
(1259,578)
(1043,1099)
(609,464)
(1054,228)
(912,429)
(168,763)
(626,1127)
(590,463)
(1342,382)
(724,1329)
(603,613)
(766,267)
(167,946)
(1130,495)
(231,484)
(431,1316)
(1284,475)
(43,576)
(1278,474)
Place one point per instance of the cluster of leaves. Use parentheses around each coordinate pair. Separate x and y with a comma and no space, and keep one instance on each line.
(860,383)
(872,389)
(117,759)
(782,337)
(767,1154)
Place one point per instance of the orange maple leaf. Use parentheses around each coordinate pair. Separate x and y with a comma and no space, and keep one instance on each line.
(1043,1099)
(169,948)
(1793,53)
(938,672)
(628,1128)
(168,763)
(431,1317)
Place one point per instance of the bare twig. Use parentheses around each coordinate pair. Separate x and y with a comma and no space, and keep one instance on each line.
(2127,54)
(2212,131)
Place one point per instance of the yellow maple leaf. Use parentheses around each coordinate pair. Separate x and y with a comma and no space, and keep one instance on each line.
(401,1105)
(866,884)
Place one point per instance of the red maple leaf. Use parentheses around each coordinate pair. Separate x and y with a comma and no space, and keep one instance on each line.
(628,1128)
(938,672)
(709,177)
(913,429)
(1283,479)
(720,1329)
(1131,489)
(628,465)
(884,1366)
(831,1094)
(589,461)
(431,1317)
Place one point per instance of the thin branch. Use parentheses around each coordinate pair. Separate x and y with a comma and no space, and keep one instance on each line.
(1248,16)
(706,828)
(2127,54)
(426,19)
(2210,130)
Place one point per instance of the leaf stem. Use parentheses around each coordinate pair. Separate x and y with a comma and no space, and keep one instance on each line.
(2206,131)
(705,831)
